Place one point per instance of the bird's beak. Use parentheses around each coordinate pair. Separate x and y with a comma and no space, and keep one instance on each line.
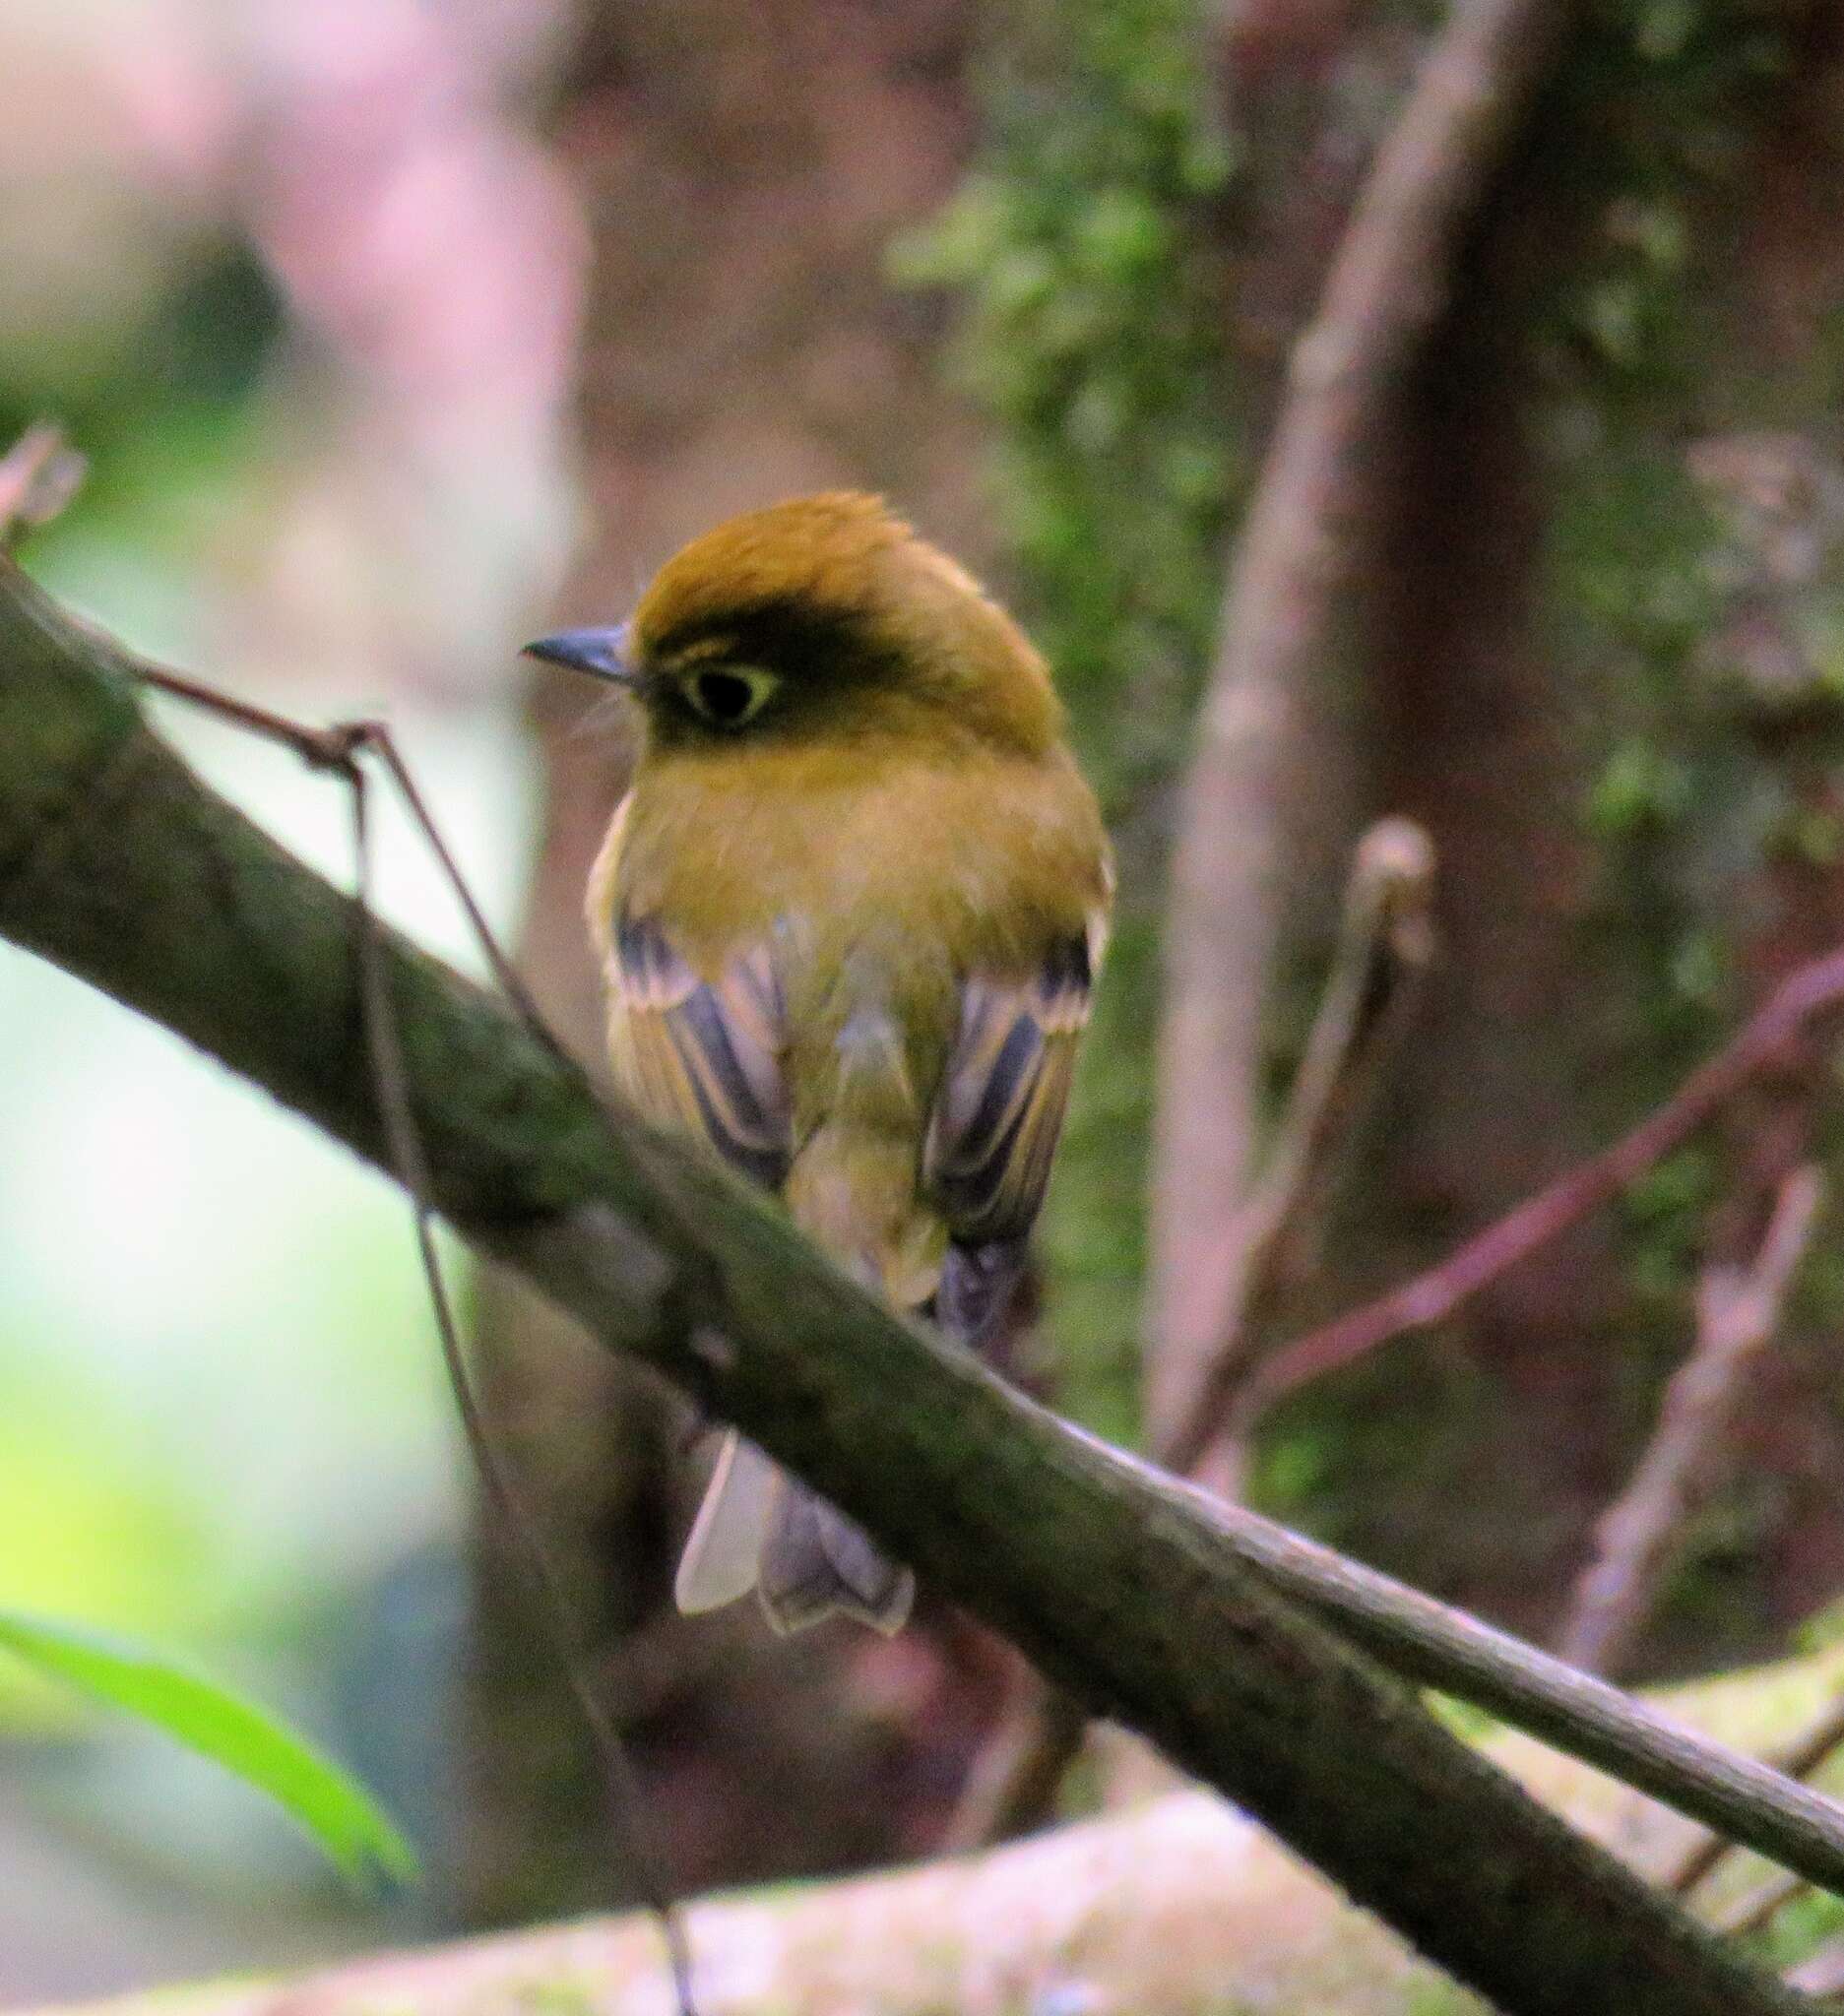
(602,653)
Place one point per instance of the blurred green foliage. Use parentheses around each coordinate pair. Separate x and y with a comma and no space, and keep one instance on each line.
(1662,108)
(1093,334)
(87,1523)
(354,1834)
(161,404)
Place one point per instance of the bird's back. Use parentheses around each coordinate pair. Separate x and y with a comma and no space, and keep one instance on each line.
(865,887)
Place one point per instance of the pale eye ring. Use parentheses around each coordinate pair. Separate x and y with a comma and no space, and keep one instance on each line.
(729,695)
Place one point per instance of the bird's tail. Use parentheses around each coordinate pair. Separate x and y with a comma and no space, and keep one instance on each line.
(758,1529)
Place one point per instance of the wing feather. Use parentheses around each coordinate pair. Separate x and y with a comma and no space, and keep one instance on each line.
(702,1056)
(994,1127)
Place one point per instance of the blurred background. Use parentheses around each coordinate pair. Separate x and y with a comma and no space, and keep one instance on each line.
(395,331)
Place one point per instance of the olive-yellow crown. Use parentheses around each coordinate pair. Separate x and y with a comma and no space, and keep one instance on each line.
(829,614)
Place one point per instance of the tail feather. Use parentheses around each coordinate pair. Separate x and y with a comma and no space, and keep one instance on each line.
(758,1529)
(975,1297)
(727,1535)
(816,1561)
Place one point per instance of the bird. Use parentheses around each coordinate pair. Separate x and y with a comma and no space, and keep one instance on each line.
(849,916)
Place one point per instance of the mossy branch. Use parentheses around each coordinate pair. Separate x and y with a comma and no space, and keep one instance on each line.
(120,865)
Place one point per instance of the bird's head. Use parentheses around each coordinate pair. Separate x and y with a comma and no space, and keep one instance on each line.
(825,616)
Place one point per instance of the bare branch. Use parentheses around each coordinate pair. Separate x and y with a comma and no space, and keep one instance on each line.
(1812,1747)
(1168,1909)
(1385,946)
(1427,1641)
(1174,1908)
(1737,1312)
(1384,293)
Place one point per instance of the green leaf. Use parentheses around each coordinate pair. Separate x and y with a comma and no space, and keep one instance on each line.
(352,1829)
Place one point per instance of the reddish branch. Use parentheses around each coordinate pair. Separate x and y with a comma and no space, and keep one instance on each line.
(1813,990)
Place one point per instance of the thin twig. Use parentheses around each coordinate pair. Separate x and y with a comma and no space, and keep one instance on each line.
(337,750)
(405,1145)
(511,981)
(1800,1757)
(1809,991)
(1385,946)
(333,749)
(1738,1310)
(1430,1644)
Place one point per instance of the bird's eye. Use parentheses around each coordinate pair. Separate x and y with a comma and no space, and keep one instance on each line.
(730,695)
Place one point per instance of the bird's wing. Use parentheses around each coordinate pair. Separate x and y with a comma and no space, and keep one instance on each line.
(703,1056)
(996,1122)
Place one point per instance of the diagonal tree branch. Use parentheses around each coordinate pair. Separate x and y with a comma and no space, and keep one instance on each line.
(119,864)
(1800,1756)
